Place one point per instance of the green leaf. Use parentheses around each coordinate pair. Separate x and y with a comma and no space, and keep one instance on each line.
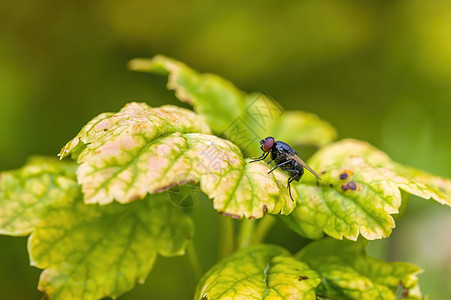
(299,128)
(243,118)
(349,273)
(358,193)
(91,252)
(144,150)
(259,272)
(26,192)
(87,251)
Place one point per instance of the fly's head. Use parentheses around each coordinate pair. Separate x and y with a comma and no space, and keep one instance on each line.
(267,143)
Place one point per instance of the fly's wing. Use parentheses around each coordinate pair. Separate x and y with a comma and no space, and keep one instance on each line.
(294,157)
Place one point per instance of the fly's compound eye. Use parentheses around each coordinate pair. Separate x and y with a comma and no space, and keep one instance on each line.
(267,144)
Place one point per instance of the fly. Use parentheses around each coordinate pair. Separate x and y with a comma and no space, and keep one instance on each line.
(285,158)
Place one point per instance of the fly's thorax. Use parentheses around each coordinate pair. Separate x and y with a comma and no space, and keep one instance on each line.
(274,155)
(283,148)
(281,151)
(278,156)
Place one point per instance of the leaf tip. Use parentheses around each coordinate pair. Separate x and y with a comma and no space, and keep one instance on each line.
(139,64)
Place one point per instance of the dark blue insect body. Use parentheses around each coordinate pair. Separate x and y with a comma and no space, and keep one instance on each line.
(285,158)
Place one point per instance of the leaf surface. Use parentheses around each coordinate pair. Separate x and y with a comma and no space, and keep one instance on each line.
(347,272)
(26,192)
(358,193)
(142,150)
(86,251)
(243,118)
(259,272)
(91,252)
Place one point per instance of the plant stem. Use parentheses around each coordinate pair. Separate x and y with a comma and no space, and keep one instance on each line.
(246,232)
(263,227)
(193,260)
(226,237)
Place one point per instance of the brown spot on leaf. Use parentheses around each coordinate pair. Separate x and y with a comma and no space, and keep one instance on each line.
(351,185)
(346,173)
(103,125)
(264,209)
(302,278)
(230,215)
(401,291)
(170,186)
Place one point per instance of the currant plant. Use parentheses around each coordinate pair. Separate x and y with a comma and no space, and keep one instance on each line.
(98,221)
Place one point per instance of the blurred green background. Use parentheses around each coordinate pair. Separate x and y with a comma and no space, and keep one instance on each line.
(377,70)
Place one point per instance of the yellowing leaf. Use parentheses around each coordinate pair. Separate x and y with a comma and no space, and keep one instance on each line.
(138,122)
(91,252)
(243,118)
(259,272)
(26,192)
(141,150)
(358,193)
(349,273)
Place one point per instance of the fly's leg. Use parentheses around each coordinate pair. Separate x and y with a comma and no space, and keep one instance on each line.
(270,161)
(281,164)
(292,177)
(262,157)
(289,185)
